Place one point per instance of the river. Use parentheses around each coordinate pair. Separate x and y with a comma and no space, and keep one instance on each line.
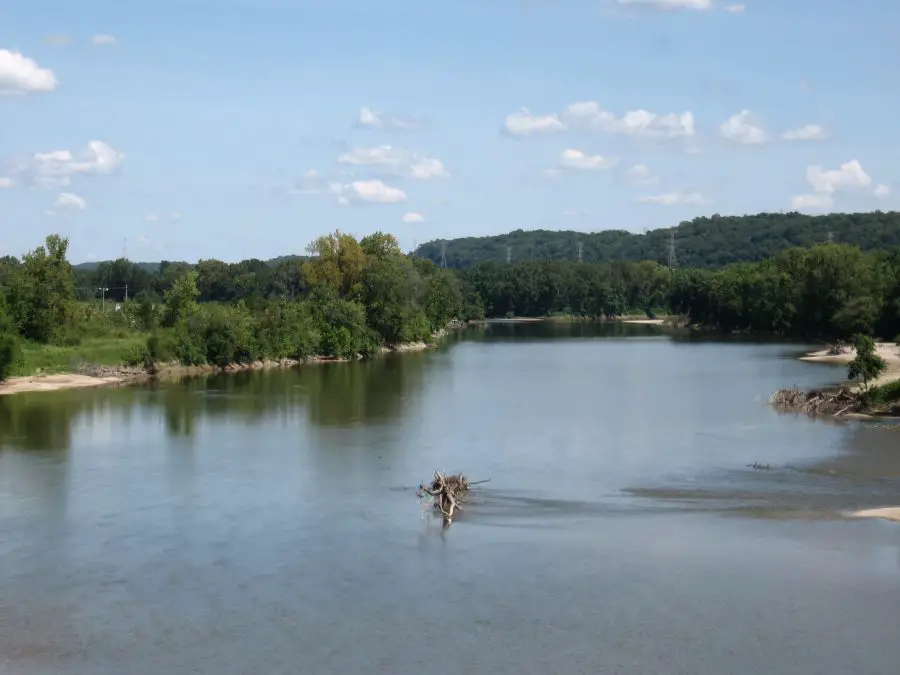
(266,522)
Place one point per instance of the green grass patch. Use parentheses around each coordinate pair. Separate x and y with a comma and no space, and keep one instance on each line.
(883,394)
(99,351)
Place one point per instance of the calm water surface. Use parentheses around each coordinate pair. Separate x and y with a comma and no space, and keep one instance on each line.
(266,523)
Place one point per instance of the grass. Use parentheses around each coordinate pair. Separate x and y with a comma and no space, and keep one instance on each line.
(883,394)
(100,351)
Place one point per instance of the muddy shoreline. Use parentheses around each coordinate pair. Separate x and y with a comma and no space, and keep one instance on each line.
(108,376)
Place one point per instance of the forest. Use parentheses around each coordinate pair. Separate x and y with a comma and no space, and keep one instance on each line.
(348,298)
(706,242)
(351,297)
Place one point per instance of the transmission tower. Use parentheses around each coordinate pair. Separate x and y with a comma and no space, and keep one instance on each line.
(673,261)
(508,254)
(580,251)
(443,254)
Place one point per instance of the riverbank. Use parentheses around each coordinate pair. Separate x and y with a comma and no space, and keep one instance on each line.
(888,351)
(100,376)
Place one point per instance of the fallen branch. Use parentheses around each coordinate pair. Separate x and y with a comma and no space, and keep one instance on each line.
(818,401)
(448,493)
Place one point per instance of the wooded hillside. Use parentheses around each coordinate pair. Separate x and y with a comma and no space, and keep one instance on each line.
(703,242)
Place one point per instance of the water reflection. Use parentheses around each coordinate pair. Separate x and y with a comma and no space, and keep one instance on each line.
(327,395)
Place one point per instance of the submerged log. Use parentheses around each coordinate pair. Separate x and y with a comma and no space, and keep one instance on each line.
(448,492)
(818,401)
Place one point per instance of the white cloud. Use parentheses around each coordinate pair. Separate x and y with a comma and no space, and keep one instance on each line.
(813,202)
(372,191)
(367,118)
(151,218)
(523,123)
(103,40)
(640,174)
(826,183)
(5,183)
(741,128)
(21,75)
(588,116)
(808,132)
(69,202)
(735,9)
(673,198)
(849,175)
(667,4)
(413,218)
(579,161)
(56,168)
(395,160)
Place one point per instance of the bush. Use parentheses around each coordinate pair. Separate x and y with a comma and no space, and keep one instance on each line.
(883,394)
(229,336)
(10,354)
(139,355)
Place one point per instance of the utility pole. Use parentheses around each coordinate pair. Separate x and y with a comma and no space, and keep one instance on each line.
(508,255)
(673,261)
(124,248)
(103,290)
(580,251)
(126,292)
(443,254)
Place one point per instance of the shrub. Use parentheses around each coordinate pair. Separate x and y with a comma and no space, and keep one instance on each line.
(10,354)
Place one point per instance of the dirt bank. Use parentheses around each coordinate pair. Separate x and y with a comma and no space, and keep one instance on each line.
(105,376)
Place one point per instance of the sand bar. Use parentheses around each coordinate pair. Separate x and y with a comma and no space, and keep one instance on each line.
(889,351)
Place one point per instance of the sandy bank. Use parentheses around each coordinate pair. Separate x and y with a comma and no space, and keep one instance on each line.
(20,385)
(887,513)
(886,350)
(646,322)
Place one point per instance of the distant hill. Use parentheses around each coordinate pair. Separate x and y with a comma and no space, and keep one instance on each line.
(715,241)
(153,267)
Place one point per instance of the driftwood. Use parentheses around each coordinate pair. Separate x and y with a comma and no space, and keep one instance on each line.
(448,493)
(818,401)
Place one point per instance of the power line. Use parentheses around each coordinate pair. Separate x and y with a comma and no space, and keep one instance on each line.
(673,261)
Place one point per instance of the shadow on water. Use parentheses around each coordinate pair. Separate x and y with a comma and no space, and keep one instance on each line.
(339,395)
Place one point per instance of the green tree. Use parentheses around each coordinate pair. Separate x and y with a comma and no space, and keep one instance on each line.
(180,301)
(41,292)
(10,352)
(867,364)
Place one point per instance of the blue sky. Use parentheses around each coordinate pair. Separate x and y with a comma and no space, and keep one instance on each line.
(188,129)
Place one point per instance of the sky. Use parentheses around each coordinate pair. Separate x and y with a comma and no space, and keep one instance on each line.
(230,129)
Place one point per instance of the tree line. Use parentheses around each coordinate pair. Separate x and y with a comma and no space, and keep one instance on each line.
(349,297)
(352,296)
(706,242)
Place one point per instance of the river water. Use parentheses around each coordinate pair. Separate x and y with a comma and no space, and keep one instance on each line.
(267,523)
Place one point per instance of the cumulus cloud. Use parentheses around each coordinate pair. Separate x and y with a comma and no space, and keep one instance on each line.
(580,161)
(5,183)
(412,217)
(826,183)
(588,116)
(396,161)
(640,174)
(808,132)
(673,198)
(156,218)
(102,39)
(21,75)
(369,191)
(735,9)
(741,128)
(68,202)
(58,167)
(367,118)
